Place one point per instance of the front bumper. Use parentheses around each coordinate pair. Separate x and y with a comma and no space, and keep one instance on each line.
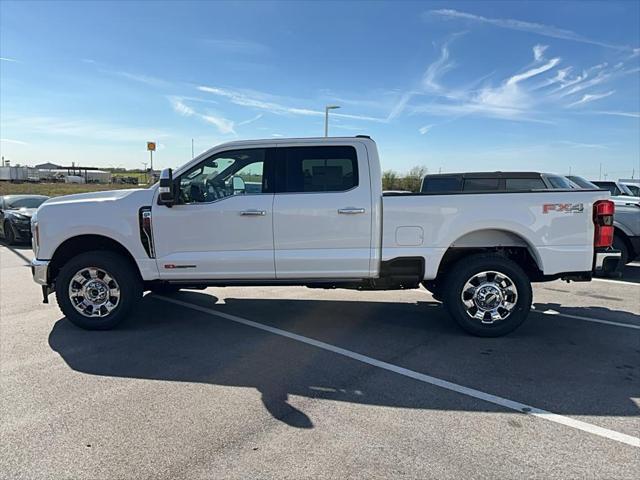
(22,230)
(40,271)
(607,262)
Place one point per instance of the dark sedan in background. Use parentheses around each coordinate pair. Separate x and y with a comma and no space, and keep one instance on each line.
(15,216)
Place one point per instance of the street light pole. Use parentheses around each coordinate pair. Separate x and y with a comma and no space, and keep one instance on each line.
(326,118)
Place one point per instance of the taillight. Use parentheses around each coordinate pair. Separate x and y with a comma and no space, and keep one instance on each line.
(603,211)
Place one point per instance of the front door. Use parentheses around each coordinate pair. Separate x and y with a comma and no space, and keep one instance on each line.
(322,212)
(222,224)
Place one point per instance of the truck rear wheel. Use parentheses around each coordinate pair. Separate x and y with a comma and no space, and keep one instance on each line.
(488,295)
(97,290)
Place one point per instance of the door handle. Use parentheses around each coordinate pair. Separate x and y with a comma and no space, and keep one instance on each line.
(351,210)
(253,213)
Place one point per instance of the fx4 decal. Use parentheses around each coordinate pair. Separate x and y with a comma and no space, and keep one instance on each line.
(563,207)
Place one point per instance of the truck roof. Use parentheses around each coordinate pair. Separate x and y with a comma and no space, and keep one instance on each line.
(496,174)
(277,140)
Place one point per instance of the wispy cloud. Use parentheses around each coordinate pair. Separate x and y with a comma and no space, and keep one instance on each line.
(538,52)
(180,107)
(7,59)
(224,125)
(591,97)
(532,95)
(524,26)
(83,128)
(14,142)
(265,102)
(251,120)
(572,144)
(141,78)
(616,113)
(508,100)
(439,67)
(424,130)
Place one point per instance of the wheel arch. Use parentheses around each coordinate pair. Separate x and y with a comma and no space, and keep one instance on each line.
(507,243)
(86,243)
(625,238)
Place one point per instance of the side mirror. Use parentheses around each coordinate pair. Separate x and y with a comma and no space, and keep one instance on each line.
(237,184)
(166,194)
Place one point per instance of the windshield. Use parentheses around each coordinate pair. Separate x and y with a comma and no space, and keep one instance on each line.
(560,182)
(24,202)
(625,190)
(581,182)
(235,172)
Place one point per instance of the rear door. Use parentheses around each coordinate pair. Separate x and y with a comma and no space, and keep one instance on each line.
(322,212)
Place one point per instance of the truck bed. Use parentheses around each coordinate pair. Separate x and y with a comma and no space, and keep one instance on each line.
(559,236)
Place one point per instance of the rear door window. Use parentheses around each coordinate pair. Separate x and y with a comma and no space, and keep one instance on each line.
(318,169)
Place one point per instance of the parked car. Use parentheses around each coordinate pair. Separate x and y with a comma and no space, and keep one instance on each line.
(633,185)
(626,223)
(616,189)
(15,216)
(319,220)
(493,182)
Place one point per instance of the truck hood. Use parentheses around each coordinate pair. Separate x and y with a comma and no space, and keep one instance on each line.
(27,212)
(106,196)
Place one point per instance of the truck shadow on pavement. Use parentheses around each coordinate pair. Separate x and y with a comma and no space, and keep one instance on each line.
(22,251)
(631,273)
(602,313)
(562,367)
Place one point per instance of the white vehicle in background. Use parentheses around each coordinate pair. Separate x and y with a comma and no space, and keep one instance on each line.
(315,215)
(74,179)
(619,191)
(632,184)
(626,222)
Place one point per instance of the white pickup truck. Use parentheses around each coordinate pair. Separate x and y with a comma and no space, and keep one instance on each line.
(312,212)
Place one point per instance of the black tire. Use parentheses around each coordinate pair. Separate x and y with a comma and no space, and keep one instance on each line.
(464,270)
(119,268)
(619,243)
(9,234)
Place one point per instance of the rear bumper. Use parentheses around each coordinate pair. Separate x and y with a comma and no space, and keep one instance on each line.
(607,262)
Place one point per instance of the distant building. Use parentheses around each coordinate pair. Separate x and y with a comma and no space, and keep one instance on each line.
(47,166)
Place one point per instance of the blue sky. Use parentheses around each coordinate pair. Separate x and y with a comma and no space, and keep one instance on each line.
(453,86)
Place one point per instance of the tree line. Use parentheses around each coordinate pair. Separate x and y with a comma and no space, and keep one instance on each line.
(410,181)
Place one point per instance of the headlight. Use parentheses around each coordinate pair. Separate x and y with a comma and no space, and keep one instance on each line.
(20,218)
(35,235)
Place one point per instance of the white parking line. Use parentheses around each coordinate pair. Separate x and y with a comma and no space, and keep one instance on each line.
(588,319)
(471,392)
(611,280)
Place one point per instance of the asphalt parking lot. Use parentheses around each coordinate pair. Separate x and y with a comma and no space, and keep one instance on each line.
(294,382)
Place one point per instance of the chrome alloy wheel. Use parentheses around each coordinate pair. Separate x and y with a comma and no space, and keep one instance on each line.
(93,292)
(489,296)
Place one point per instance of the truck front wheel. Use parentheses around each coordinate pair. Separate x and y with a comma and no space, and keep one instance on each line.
(488,295)
(97,290)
